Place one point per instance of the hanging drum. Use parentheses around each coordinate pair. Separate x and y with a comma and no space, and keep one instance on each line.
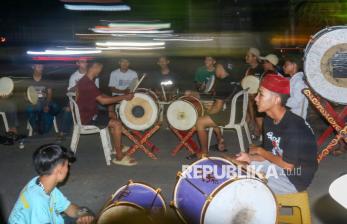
(6,86)
(141,112)
(251,83)
(325,64)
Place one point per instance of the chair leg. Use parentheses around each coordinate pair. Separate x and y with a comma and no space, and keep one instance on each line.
(240,137)
(105,145)
(30,129)
(247,133)
(3,115)
(55,125)
(210,131)
(75,138)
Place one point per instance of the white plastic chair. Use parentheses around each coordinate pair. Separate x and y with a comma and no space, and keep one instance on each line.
(80,129)
(232,122)
(3,115)
(30,129)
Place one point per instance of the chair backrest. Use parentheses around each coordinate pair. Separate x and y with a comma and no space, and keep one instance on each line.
(241,95)
(75,112)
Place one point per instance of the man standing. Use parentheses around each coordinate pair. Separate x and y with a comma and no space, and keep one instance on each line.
(289,146)
(297,101)
(41,201)
(120,79)
(88,96)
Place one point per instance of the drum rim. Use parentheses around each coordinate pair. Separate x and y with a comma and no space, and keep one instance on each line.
(122,111)
(11,85)
(250,77)
(196,99)
(150,187)
(31,89)
(310,79)
(174,201)
(122,203)
(167,112)
(220,187)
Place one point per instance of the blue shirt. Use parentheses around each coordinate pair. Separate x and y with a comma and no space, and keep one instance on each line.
(35,206)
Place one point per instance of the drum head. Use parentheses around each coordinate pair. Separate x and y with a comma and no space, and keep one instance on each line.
(123,213)
(325,64)
(182,115)
(6,86)
(251,83)
(242,201)
(337,190)
(140,113)
(209,84)
(32,95)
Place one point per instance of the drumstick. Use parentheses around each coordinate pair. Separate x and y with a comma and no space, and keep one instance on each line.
(162,88)
(137,85)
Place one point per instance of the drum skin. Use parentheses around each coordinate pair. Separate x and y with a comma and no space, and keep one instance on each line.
(183,113)
(251,83)
(147,102)
(32,96)
(135,199)
(6,86)
(318,63)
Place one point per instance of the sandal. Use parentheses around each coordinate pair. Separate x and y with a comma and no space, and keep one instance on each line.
(124,150)
(216,149)
(125,161)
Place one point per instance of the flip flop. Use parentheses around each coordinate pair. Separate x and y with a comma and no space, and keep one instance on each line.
(124,150)
(126,161)
(215,148)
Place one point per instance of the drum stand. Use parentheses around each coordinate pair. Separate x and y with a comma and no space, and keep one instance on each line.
(335,120)
(185,140)
(141,139)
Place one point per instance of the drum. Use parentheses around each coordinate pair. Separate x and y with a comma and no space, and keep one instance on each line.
(216,197)
(32,95)
(183,113)
(141,112)
(6,86)
(337,190)
(251,83)
(325,64)
(133,202)
(210,84)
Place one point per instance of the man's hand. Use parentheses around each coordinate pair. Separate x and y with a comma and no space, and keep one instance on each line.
(243,157)
(255,150)
(126,91)
(85,219)
(129,96)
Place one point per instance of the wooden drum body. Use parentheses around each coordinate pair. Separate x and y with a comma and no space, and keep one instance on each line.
(183,113)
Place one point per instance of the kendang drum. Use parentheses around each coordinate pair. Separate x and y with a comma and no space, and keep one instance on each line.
(251,83)
(183,113)
(31,95)
(141,112)
(133,203)
(325,64)
(212,191)
(6,87)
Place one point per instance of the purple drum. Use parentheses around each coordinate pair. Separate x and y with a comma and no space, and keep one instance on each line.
(215,191)
(135,201)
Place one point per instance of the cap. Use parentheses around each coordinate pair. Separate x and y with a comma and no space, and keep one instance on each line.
(276,83)
(254,51)
(273,59)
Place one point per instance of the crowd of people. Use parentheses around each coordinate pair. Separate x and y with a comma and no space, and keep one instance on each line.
(277,115)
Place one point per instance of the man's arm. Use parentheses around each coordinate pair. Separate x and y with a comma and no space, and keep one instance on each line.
(82,215)
(49,94)
(107,100)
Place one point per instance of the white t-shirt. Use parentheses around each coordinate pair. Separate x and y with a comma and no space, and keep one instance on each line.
(75,77)
(121,80)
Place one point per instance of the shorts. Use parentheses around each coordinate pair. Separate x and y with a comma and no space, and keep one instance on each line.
(100,120)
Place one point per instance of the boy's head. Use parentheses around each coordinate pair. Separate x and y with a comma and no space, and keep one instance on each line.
(47,157)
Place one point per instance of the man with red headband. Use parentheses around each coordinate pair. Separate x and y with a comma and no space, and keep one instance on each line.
(288,153)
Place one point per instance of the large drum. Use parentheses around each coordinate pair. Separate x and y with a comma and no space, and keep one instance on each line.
(215,196)
(133,203)
(325,64)
(183,113)
(251,83)
(141,112)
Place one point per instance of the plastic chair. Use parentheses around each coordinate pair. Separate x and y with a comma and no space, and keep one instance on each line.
(3,115)
(80,129)
(30,129)
(300,206)
(243,94)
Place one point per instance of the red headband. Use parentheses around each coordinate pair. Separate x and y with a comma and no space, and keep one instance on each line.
(276,83)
